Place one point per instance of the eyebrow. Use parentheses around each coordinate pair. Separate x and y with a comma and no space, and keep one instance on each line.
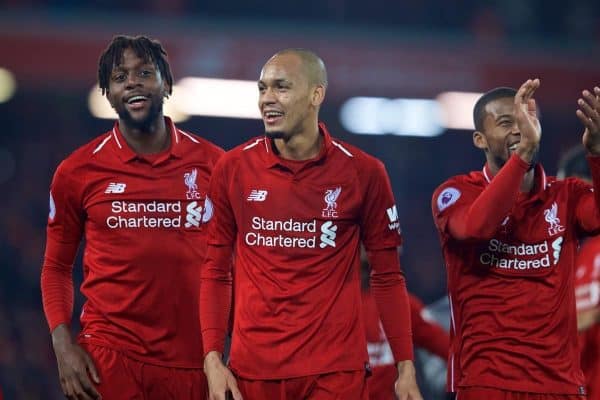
(499,117)
(276,81)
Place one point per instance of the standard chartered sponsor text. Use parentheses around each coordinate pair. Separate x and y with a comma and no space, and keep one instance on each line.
(536,256)
(259,235)
(119,218)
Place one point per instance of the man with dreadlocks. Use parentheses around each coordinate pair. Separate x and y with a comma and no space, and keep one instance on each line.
(138,195)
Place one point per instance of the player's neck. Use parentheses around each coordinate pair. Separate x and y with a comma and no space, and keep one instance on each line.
(150,140)
(528,181)
(301,146)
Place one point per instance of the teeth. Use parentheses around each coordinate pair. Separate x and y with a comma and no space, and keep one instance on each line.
(273,113)
(513,147)
(136,98)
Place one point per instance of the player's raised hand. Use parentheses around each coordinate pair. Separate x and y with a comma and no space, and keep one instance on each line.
(589,114)
(220,379)
(75,366)
(527,120)
(406,385)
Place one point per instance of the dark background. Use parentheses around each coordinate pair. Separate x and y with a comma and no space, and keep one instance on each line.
(395,49)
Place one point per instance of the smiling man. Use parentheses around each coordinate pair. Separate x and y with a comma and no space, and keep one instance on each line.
(509,238)
(137,194)
(293,206)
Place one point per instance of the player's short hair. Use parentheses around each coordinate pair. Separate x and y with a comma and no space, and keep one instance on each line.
(574,163)
(485,99)
(147,49)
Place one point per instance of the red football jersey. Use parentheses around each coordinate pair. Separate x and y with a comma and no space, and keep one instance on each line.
(142,220)
(511,278)
(587,295)
(427,334)
(296,228)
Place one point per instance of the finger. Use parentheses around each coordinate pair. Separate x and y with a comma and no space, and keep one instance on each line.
(217,396)
(531,88)
(92,368)
(67,389)
(235,392)
(233,387)
(585,120)
(520,96)
(591,100)
(78,392)
(589,112)
(87,386)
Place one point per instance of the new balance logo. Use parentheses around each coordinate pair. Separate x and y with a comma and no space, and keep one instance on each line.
(257,195)
(115,188)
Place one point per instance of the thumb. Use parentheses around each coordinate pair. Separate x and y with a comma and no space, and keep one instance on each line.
(92,368)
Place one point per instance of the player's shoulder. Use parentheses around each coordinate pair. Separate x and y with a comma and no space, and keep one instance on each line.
(194,143)
(362,161)
(85,153)
(257,146)
(472,180)
(452,189)
(568,183)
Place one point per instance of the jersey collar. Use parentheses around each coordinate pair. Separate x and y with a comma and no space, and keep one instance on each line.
(126,154)
(274,159)
(541,182)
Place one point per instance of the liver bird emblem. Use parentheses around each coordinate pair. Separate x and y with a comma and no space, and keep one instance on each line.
(331,196)
(190,180)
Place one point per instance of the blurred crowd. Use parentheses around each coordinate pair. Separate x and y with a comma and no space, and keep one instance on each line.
(507,19)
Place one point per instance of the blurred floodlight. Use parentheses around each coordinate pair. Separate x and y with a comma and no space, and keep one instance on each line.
(457,109)
(402,117)
(218,98)
(8,85)
(100,108)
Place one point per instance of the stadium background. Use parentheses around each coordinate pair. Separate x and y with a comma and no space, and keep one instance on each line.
(413,49)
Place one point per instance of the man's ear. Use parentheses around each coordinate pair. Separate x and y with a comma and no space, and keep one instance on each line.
(318,95)
(480,141)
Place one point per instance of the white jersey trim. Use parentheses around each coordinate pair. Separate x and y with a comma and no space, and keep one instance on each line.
(116,138)
(101,145)
(251,145)
(342,148)
(544,180)
(193,139)
(452,388)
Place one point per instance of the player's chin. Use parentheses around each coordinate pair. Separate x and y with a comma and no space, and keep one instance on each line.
(274,133)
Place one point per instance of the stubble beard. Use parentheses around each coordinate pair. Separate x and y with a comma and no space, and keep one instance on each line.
(143,125)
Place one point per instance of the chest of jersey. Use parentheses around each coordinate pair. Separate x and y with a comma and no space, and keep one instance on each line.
(139,197)
(532,239)
(279,210)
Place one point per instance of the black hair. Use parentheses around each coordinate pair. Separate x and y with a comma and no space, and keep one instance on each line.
(494,94)
(147,49)
(574,163)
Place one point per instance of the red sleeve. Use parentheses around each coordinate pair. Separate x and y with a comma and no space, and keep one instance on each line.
(427,334)
(215,276)
(379,223)
(63,234)
(389,292)
(587,209)
(380,234)
(479,218)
